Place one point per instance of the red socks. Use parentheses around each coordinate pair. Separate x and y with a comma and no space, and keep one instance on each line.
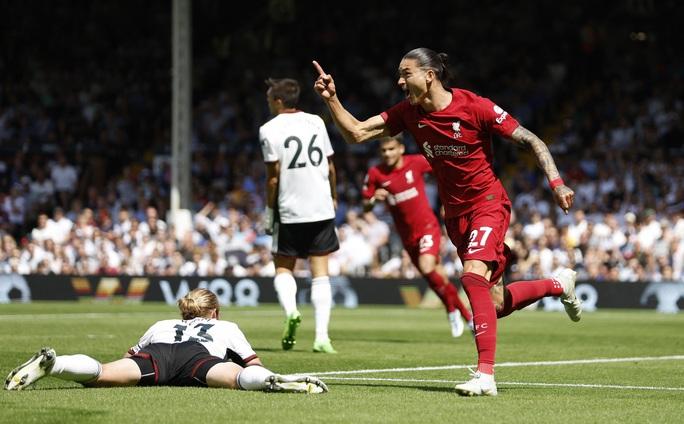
(520,294)
(484,317)
(448,293)
(525,293)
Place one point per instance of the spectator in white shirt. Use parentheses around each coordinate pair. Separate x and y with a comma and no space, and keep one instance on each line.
(65,179)
(61,226)
(42,231)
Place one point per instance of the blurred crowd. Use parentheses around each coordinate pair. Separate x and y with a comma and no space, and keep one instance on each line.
(85,144)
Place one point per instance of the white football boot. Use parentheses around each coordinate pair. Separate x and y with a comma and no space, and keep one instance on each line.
(479,385)
(573,306)
(456,323)
(295,384)
(32,370)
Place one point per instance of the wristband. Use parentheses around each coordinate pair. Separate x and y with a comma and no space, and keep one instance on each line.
(556,182)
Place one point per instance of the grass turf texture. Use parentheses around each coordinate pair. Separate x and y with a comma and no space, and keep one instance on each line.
(367,338)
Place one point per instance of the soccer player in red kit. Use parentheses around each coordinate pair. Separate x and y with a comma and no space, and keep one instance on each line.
(399,182)
(454,128)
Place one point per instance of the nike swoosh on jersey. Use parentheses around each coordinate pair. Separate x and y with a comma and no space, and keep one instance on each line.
(471,251)
(386,183)
(421,125)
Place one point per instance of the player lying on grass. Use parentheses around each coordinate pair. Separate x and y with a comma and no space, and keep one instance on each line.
(198,350)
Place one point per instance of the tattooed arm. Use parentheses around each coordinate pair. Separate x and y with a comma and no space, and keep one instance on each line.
(563,194)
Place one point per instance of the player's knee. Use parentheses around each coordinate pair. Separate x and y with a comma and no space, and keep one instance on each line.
(123,372)
(498,305)
(284,262)
(426,269)
(498,294)
(426,264)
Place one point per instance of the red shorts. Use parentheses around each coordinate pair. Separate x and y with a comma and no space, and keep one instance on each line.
(425,242)
(480,234)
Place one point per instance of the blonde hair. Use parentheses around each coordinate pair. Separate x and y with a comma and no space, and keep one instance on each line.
(198,303)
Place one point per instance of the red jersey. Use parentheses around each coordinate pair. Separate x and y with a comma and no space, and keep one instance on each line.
(407,201)
(457,141)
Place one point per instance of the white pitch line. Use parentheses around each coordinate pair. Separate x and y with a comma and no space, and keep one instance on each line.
(592,386)
(513,383)
(507,364)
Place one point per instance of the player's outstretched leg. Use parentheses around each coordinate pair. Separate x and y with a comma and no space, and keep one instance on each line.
(479,385)
(295,384)
(292,322)
(255,377)
(573,306)
(32,370)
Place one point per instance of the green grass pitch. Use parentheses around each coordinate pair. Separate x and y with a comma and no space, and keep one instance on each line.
(395,365)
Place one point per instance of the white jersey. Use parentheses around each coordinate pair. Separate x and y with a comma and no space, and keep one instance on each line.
(300,142)
(216,336)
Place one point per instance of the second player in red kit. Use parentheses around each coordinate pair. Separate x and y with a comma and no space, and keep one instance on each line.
(398,180)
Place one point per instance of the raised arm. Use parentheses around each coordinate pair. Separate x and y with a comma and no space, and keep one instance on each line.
(563,194)
(353,130)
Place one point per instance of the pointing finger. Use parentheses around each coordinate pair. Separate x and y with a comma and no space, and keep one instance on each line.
(318,68)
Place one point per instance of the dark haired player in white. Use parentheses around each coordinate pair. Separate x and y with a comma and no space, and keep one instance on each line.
(300,196)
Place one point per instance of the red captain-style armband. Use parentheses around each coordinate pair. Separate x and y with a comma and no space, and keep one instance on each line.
(555,183)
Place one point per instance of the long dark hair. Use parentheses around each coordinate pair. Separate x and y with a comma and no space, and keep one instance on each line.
(430,59)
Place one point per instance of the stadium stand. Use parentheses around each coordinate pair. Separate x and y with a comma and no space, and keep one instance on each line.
(85,144)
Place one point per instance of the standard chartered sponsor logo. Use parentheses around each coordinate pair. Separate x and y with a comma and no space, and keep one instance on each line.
(444,150)
(450,150)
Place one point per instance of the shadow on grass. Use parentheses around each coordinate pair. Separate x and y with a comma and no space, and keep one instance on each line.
(269,349)
(373,340)
(432,389)
(398,386)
